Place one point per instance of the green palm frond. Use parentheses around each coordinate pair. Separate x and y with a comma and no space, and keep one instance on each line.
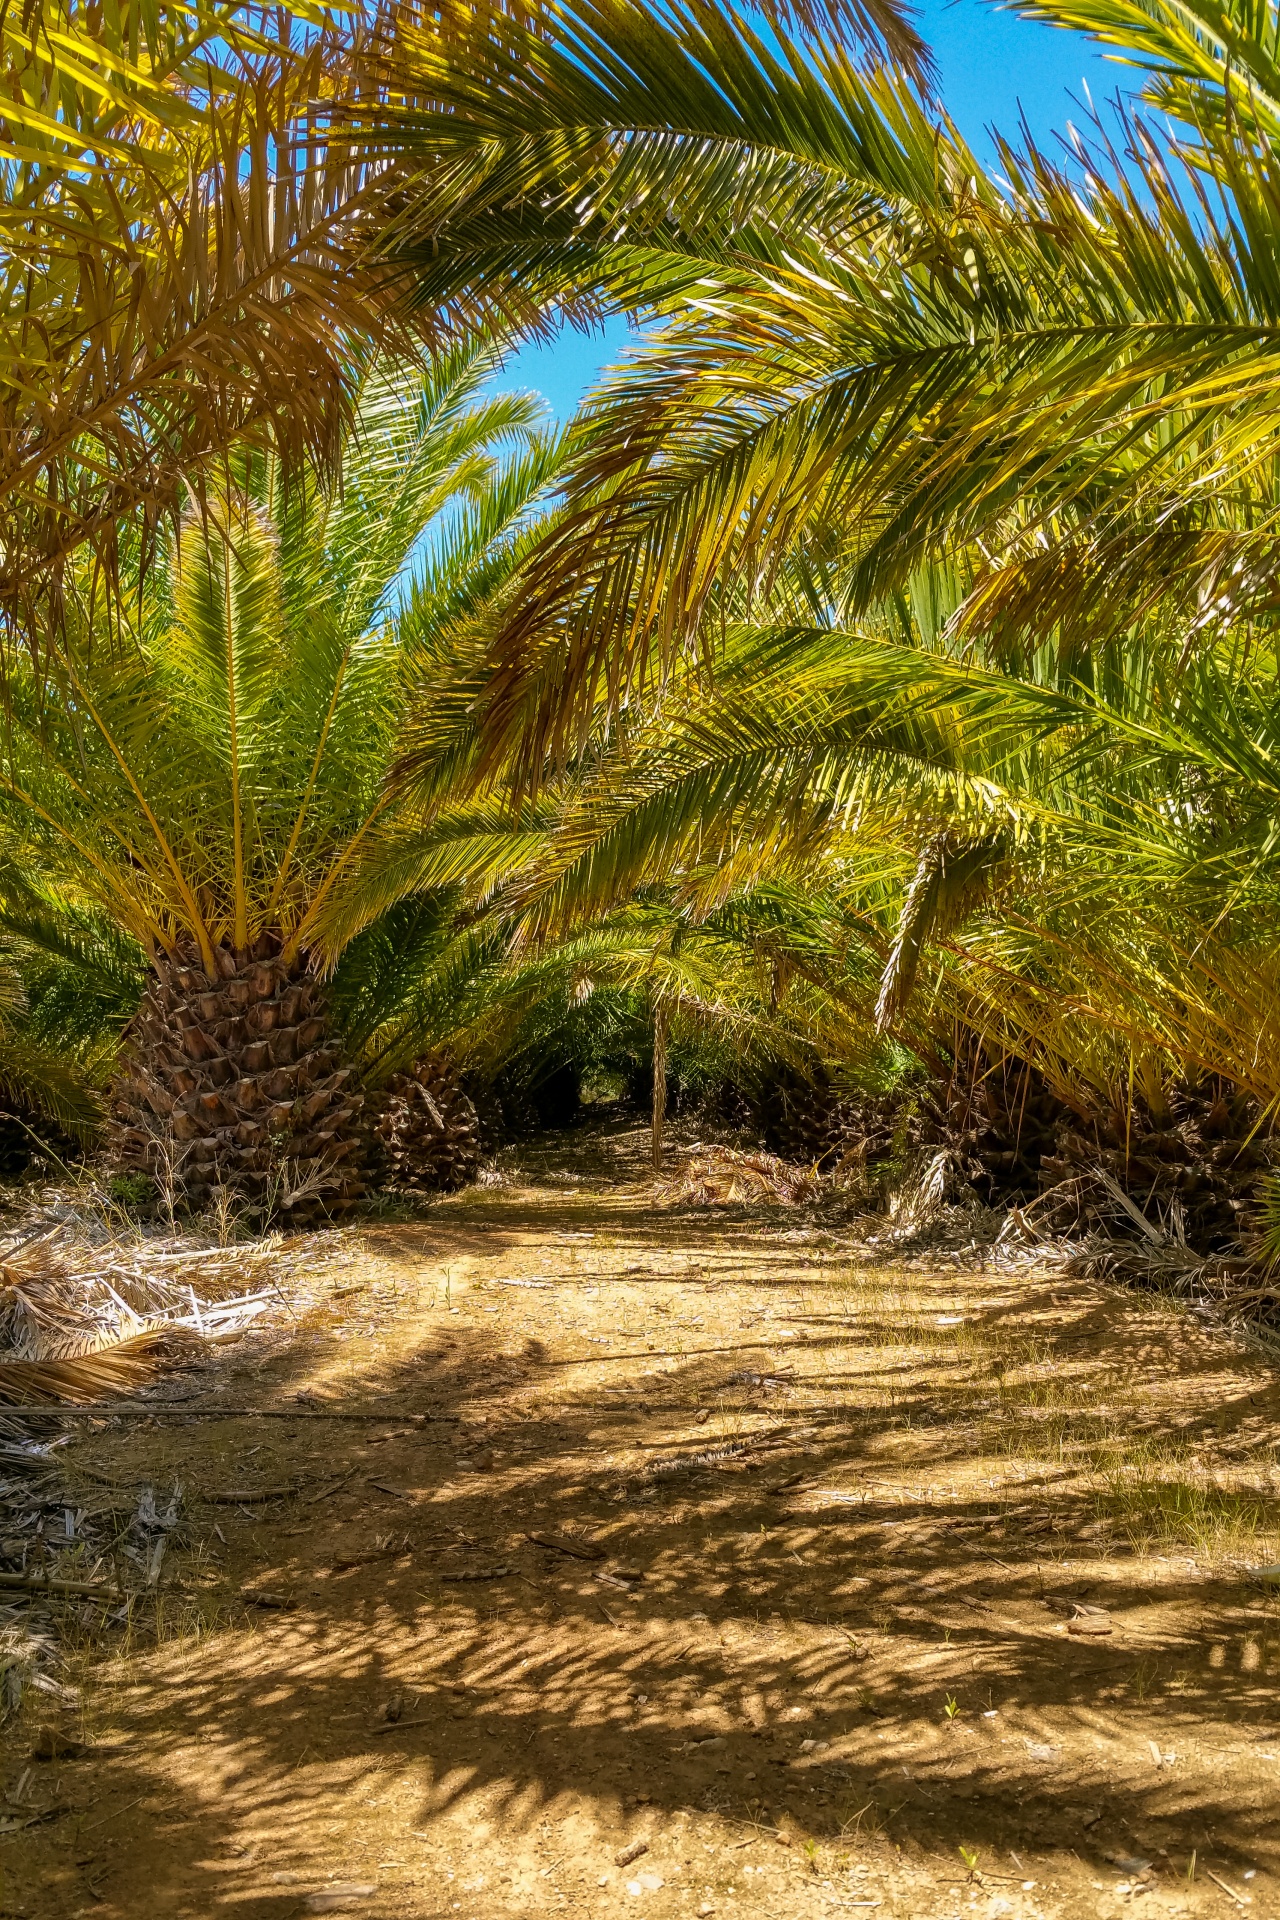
(951,878)
(652,143)
(1070,365)
(223,768)
(1207,59)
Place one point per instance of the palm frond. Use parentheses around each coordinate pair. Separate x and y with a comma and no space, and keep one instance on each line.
(182,221)
(1208,60)
(122,1367)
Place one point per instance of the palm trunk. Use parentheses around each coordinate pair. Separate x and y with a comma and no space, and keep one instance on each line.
(428,1128)
(235,1081)
(659,1082)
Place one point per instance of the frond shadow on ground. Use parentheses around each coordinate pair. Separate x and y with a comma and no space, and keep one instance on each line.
(860,1634)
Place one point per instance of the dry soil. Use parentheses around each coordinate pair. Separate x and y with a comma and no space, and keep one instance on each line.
(817,1586)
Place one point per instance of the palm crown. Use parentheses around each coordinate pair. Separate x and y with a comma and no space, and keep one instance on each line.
(206,774)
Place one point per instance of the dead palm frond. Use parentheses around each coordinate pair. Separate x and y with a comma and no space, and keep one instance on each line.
(123,1367)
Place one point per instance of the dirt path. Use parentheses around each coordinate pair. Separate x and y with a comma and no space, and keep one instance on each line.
(921,1593)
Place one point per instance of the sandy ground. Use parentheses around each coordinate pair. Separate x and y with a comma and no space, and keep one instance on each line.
(821,1588)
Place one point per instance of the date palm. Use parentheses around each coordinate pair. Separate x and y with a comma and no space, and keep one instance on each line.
(212,775)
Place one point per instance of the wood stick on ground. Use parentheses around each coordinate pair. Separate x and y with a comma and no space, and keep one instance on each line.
(34,1583)
(247,1496)
(577,1550)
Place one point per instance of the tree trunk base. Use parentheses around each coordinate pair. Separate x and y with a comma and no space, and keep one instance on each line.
(234,1082)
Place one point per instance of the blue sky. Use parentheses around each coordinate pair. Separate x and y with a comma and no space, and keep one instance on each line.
(993,67)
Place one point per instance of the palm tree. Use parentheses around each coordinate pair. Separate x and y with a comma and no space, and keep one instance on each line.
(212,775)
(1055,390)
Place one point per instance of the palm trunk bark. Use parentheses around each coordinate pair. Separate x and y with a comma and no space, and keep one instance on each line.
(234,1080)
(428,1129)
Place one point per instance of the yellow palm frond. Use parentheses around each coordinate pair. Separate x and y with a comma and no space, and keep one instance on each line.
(181,229)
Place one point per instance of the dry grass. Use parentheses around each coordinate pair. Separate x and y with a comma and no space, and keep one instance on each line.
(1154,1496)
(1149,1490)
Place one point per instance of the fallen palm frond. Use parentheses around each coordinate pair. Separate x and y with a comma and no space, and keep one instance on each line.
(125,1366)
(61,1299)
(935,1184)
(1232,1283)
(721,1176)
(79,1321)
(1233,1287)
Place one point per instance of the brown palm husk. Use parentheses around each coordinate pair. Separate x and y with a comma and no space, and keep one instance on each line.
(428,1131)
